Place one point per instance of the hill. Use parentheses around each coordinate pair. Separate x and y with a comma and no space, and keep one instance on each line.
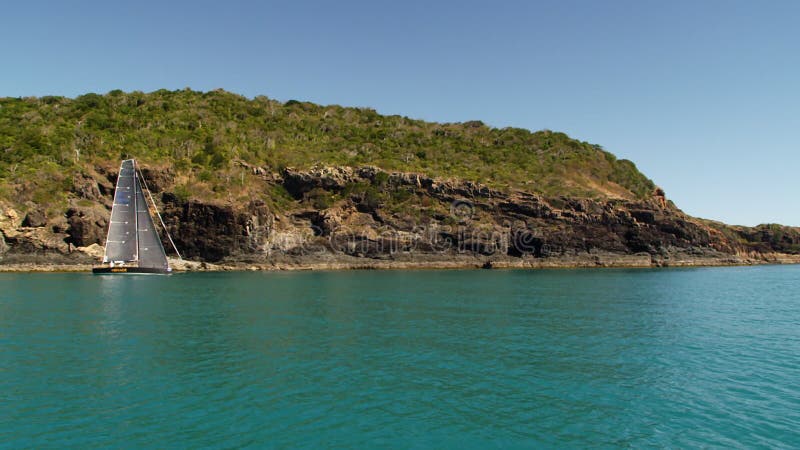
(200,135)
(259,181)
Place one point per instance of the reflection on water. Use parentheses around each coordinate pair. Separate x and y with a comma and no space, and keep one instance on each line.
(398,359)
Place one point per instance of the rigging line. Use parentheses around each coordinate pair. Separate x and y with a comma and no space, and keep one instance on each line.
(150,194)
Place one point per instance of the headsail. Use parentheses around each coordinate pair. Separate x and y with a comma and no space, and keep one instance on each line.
(121,239)
(151,251)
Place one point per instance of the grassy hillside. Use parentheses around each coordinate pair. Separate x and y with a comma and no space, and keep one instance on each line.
(44,141)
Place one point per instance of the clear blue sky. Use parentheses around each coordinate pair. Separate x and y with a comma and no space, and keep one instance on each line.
(703,95)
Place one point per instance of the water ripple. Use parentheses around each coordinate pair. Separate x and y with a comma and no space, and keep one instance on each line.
(608,358)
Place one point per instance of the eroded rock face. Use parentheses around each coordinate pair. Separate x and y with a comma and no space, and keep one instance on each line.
(8,225)
(34,243)
(87,226)
(516,224)
(9,218)
(299,182)
(461,220)
(89,189)
(158,179)
(771,238)
(215,232)
(35,218)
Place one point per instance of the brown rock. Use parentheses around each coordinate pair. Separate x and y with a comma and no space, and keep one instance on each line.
(157,179)
(35,218)
(214,232)
(87,188)
(87,226)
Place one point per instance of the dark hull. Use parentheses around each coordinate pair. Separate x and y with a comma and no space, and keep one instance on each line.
(129,270)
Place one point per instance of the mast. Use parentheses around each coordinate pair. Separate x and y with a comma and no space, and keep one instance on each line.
(135,211)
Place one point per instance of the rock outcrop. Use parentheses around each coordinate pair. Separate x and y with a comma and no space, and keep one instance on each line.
(213,232)
(86,226)
(463,219)
(20,243)
(373,218)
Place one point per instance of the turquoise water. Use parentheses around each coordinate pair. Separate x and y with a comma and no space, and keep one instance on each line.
(415,359)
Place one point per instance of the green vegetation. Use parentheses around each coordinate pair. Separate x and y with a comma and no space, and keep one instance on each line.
(201,136)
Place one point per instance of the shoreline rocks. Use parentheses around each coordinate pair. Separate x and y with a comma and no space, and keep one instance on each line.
(355,263)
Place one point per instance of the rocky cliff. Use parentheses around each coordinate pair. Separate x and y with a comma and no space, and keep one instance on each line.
(353,217)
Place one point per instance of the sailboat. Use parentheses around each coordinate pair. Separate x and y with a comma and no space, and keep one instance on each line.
(132,243)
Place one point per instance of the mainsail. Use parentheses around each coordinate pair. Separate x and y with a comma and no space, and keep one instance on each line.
(132,236)
(121,243)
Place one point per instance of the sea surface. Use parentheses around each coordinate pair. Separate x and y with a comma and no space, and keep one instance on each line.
(705,357)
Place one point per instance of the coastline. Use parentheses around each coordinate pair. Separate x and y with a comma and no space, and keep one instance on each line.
(465,226)
(355,263)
